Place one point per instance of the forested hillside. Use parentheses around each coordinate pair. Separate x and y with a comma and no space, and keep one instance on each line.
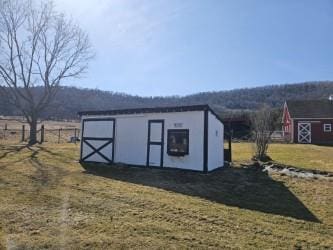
(70,100)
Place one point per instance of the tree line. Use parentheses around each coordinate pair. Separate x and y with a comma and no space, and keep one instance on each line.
(69,100)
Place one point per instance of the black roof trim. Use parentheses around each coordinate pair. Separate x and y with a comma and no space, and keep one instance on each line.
(151,110)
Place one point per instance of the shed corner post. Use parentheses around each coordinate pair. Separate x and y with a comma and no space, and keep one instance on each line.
(229,142)
(205,143)
(81,139)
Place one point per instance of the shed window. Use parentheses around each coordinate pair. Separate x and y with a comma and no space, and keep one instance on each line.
(327,127)
(178,142)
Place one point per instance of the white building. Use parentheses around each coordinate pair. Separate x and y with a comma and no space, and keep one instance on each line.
(184,137)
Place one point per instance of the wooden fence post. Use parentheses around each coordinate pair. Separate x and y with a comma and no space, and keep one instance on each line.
(229,141)
(75,135)
(42,133)
(230,147)
(59,135)
(4,131)
(23,133)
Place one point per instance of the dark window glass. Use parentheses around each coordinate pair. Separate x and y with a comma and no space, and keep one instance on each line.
(178,142)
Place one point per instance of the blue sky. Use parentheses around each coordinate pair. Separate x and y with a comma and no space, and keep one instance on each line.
(169,47)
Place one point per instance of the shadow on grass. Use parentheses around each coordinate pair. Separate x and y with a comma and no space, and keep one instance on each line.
(327,145)
(44,174)
(240,187)
(11,149)
(51,153)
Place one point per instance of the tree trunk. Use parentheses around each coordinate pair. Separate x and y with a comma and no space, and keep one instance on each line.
(33,132)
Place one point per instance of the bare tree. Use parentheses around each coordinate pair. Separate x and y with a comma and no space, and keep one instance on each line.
(38,48)
(263,122)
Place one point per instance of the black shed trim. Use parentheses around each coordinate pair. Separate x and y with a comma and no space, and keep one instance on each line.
(152,110)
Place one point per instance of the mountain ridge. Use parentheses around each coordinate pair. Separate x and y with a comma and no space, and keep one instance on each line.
(70,100)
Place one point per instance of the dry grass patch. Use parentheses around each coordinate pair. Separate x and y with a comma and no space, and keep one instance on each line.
(297,155)
(13,123)
(49,201)
(13,134)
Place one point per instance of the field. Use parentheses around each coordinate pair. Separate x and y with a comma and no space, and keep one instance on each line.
(48,200)
(16,123)
(54,131)
(297,155)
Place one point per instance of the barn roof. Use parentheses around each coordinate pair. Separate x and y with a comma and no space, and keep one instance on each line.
(151,110)
(310,108)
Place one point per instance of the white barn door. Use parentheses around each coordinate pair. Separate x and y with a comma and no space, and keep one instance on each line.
(304,132)
(97,142)
(155,145)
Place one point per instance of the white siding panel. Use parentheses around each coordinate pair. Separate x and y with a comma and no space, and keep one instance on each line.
(215,143)
(96,158)
(86,150)
(194,122)
(95,144)
(98,129)
(156,132)
(131,135)
(155,155)
(107,151)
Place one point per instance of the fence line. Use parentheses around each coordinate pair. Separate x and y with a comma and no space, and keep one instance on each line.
(65,135)
(59,135)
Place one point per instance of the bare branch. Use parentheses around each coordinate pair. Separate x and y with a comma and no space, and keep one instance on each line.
(263,125)
(38,48)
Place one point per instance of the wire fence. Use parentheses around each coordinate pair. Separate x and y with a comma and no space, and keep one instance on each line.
(276,137)
(59,135)
(70,133)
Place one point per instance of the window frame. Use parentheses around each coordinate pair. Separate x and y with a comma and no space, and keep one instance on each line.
(329,126)
(187,136)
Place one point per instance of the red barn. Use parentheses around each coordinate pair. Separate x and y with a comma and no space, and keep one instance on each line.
(308,121)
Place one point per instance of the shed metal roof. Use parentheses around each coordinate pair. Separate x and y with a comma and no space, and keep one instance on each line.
(310,108)
(151,110)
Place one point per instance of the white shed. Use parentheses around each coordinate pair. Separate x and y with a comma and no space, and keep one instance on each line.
(183,137)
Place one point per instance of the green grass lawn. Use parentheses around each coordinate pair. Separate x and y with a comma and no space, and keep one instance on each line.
(298,155)
(49,201)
